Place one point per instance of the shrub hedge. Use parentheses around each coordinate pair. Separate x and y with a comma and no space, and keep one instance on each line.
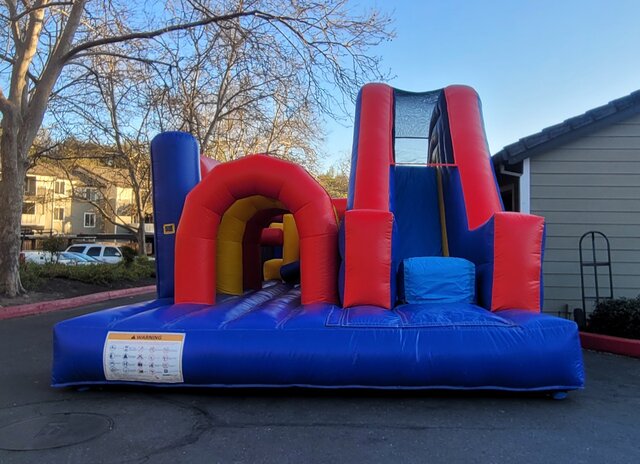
(619,317)
(98,274)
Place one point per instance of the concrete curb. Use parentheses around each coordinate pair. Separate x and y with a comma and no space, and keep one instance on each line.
(609,344)
(30,309)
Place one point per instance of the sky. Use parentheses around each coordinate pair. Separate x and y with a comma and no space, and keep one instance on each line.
(534,63)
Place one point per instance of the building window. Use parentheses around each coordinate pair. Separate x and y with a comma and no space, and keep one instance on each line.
(89,220)
(30,186)
(59,187)
(58,214)
(91,194)
(29,208)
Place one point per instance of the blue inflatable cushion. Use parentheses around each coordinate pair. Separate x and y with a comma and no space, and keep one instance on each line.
(436,279)
(267,338)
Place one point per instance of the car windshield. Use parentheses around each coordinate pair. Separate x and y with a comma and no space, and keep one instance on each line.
(76,249)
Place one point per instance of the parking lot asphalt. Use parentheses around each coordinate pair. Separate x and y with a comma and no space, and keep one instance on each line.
(600,424)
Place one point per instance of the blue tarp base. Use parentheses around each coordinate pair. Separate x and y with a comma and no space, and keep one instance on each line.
(267,338)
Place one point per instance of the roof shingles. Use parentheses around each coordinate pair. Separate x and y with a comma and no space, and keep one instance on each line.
(577,125)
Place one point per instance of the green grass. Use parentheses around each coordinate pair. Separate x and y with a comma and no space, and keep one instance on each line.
(98,274)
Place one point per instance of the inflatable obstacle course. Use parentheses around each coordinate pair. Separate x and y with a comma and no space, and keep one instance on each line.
(418,279)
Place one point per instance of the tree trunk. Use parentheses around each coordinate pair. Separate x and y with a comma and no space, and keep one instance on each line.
(142,249)
(11,195)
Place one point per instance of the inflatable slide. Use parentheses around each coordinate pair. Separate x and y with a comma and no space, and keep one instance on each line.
(418,280)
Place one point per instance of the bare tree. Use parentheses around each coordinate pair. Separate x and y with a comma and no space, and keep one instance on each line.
(42,38)
(335,180)
(113,111)
(240,93)
(251,88)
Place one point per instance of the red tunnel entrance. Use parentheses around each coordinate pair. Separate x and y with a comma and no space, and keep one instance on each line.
(196,238)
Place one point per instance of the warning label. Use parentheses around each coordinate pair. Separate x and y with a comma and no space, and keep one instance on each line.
(143,357)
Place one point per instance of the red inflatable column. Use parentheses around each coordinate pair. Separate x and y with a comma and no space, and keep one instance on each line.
(517,261)
(367,258)
(369,225)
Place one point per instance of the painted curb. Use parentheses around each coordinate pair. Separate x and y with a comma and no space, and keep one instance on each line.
(616,345)
(41,307)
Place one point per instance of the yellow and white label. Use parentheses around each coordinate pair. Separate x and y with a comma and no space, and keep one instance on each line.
(143,357)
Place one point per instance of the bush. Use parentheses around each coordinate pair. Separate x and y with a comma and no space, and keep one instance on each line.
(619,317)
(128,255)
(98,274)
(29,276)
(54,245)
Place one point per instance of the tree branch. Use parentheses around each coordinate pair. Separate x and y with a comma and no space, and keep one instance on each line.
(148,61)
(158,32)
(27,11)
(11,6)
(12,62)
(50,74)
(5,105)
(26,52)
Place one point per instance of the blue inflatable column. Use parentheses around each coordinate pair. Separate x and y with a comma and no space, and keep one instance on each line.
(175,170)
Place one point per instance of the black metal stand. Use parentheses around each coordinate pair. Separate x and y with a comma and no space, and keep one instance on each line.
(595,264)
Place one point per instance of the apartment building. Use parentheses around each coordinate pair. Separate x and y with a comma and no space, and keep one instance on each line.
(87,200)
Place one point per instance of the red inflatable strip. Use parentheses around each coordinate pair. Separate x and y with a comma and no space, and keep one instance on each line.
(471,155)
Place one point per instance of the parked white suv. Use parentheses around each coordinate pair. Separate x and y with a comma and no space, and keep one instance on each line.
(105,253)
(44,257)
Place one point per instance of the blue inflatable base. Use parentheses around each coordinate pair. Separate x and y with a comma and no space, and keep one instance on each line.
(268,339)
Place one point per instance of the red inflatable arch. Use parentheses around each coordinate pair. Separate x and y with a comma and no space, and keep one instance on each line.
(195,262)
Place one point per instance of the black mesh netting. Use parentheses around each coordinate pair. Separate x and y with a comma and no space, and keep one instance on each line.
(412,117)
